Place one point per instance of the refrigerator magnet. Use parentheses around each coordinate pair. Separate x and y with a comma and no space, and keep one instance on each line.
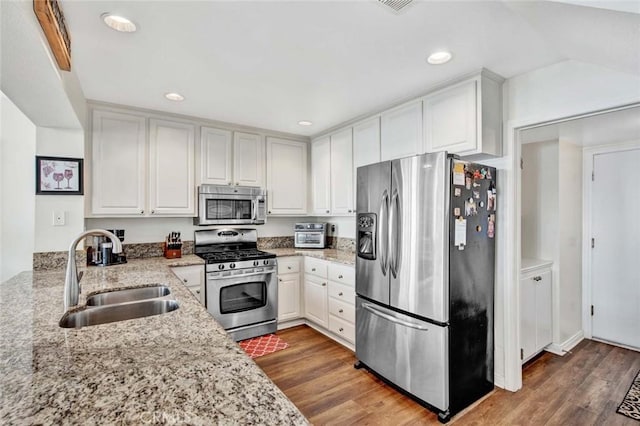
(470,208)
(457,192)
(491,226)
(458,174)
(456,211)
(477,174)
(460,233)
(476,194)
(491,200)
(467,182)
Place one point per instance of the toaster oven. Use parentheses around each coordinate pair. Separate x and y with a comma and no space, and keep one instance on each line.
(310,235)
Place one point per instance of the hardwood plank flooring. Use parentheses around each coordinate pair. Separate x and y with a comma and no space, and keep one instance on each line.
(581,388)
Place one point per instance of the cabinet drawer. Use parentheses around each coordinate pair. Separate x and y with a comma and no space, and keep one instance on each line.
(342,274)
(315,266)
(343,310)
(342,292)
(342,328)
(288,265)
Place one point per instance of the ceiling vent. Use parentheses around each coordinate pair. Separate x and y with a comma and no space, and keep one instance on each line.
(396,5)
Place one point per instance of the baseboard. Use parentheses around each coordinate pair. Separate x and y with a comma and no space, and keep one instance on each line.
(498,380)
(290,323)
(566,346)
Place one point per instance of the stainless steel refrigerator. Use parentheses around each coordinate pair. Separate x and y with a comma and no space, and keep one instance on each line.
(425,278)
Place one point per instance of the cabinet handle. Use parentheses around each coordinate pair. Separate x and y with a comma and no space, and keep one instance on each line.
(153,211)
(340,277)
(313,269)
(198,291)
(324,284)
(340,294)
(269,211)
(341,329)
(341,311)
(289,267)
(327,211)
(537,278)
(141,211)
(185,280)
(280,279)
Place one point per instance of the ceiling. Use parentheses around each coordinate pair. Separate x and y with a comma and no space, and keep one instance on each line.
(269,64)
(602,129)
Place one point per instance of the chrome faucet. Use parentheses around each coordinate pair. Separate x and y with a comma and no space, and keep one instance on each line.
(72,280)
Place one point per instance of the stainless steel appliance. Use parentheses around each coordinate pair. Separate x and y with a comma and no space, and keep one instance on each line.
(241,290)
(231,205)
(310,235)
(425,278)
(100,252)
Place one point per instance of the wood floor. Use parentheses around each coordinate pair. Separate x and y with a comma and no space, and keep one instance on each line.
(582,388)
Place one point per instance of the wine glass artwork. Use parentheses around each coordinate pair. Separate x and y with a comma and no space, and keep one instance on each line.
(58,177)
(68,174)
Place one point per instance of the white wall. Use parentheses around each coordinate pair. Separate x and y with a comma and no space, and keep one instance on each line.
(58,143)
(17,189)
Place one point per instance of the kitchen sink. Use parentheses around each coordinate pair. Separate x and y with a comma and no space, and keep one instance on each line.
(87,316)
(127,295)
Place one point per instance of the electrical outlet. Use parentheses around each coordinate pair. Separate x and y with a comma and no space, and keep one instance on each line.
(58,218)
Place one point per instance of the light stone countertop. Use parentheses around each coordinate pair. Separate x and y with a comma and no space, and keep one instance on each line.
(175,368)
(333,255)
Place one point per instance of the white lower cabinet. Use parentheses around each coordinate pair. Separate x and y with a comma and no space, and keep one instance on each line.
(315,299)
(193,278)
(536,320)
(289,288)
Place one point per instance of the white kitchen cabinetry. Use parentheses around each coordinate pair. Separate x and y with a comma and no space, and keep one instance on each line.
(193,278)
(465,118)
(248,159)
(216,153)
(315,291)
(321,176)
(288,289)
(286,177)
(342,300)
(536,320)
(342,173)
(401,131)
(171,167)
(118,164)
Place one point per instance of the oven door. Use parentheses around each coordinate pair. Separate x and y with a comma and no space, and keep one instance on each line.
(242,299)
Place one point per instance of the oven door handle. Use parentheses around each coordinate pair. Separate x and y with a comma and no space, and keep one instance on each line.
(227,277)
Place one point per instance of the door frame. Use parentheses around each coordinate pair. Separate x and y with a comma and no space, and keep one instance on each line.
(588,155)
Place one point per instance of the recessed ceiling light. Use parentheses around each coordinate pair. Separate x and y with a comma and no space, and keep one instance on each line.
(118,23)
(439,58)
(174,96)
(305,123)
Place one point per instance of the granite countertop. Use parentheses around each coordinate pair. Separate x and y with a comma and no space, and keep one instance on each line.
(339,256)
(175,368)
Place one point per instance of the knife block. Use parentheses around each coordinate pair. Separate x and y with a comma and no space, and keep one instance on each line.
(172,253)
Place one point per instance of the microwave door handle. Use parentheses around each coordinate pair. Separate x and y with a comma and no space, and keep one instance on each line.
(254,213)
(383,219)
(394,234)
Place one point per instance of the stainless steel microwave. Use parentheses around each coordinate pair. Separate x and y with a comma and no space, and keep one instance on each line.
(231,205)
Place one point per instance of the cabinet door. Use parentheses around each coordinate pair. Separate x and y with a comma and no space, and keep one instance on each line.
(401,131)
(544,329)
(248,159)
(171,164)
(341,160)
(215,156)
(527,317)
(321,176)
(366,143)
(450,119)
(286,176)
(288,296)
(193,279)
(315,300)
(118,177)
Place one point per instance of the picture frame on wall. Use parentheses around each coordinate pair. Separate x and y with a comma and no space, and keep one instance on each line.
(59,176)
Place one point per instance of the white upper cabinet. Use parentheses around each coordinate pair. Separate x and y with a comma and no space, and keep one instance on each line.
(216,150)
(118,171)
(286,177)
(465,118)
(171,168)
(321,176)
(401,131)
(366,143)
(341,151)
(248,159)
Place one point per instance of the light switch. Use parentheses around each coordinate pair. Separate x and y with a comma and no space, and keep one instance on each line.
(58,217)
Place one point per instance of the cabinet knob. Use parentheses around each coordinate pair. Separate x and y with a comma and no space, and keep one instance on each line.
(327,211)
(141,211)
(185,280)
(237,183)
(341,329)
(349,211)
(324,284)
(230,183)
(537,278)
(289,267)
(198,291)
(153,211)
(340,294)
(280,279)
(339,276)
(341,311)
(313,269)
(269,211)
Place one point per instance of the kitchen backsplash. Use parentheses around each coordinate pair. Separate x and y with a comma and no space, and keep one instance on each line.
(58,259)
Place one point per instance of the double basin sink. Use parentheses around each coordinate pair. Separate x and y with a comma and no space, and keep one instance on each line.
(120,305)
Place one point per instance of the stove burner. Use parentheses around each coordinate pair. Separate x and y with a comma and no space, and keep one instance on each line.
(235,255)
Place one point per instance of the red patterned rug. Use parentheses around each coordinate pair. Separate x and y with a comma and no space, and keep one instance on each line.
(263,345)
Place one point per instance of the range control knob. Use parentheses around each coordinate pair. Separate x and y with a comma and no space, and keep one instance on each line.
(233,265)
(221,266)
(266,262)
(256,263)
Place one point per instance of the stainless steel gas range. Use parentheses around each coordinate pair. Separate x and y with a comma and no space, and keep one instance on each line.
(241,290)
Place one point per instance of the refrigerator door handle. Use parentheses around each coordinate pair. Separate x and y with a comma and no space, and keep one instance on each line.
(394,234)
(383,222)
(393,318)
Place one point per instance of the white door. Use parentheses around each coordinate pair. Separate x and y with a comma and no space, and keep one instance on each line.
(215,156)
(342,173)
(315,300)
(286,176)
(321,176)
(248,159)
(615,275)
(288,297)
(401,131)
